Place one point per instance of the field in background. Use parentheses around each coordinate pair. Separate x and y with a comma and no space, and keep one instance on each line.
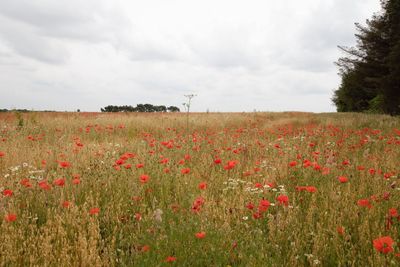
(244,189)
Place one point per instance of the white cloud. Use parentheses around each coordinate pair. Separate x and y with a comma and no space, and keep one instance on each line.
(235,55)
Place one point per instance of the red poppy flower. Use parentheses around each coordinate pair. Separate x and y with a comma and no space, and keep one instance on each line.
(128,166)
(360,168)
(197,204)
(217,161)
(292,163)
(94,211)
(76,181)
(144,178)
(200,235)
(44,185)
(263,205)
(346,162)
(343,179)
(164,161)
(145,248)
(139,165)
(66,204)
(11,217)
(202,185)
(311,189)
(26,182)
(138,216)
(230,165)
(393,212)
(64,164)
(170,259)
(283,199)
(59,182)
(7,193)
(119,162)
(250,206)
(340,230)
(257,215)
(185,171)
(384,244)
(364,203)
(2,154)
(258,185)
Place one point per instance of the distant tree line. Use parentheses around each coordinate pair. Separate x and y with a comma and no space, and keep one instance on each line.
(370,71)
(14,110)
(140,108)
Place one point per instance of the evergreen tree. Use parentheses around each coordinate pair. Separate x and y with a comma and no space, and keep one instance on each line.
(370,71)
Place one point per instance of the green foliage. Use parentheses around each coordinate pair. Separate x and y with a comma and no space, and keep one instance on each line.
(139,108)
(371,71)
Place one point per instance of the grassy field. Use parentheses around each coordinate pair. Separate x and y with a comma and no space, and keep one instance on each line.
(244,189)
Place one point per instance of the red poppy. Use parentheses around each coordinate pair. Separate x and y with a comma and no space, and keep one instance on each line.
(250,206)
(59,182)
(7,192)
(2,154)
(200,235)
(145,248)
(230,164)
(128,166)
(94,211)
(202,185)
(11,217)
(144,178)
(258,185)
(170,259)
(384,244)
(257,215)
(76,181)
(364,203)
(26,182)
(346,162)
(120,162)
(283,199)
(66,204)
(263,205)
(217,161)
(343,179)
(64,164)
(360,168)
(44,185)
(139,165)
(138,216)
(340,230)
(292,163)
(311,189)
(197,204)
(393,212)
(185,171)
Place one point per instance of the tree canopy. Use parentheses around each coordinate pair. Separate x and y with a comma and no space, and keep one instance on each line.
(370,71)
(140,108)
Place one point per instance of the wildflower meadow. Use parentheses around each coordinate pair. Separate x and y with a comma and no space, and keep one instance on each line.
(212,189)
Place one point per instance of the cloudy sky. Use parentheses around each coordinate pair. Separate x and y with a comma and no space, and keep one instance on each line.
(235,55)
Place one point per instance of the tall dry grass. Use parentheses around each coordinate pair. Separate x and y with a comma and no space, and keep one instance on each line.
(274,199)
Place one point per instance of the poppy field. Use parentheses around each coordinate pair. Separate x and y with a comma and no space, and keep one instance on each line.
(211,189)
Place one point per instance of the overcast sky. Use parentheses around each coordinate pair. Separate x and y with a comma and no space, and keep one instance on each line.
(235,55)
